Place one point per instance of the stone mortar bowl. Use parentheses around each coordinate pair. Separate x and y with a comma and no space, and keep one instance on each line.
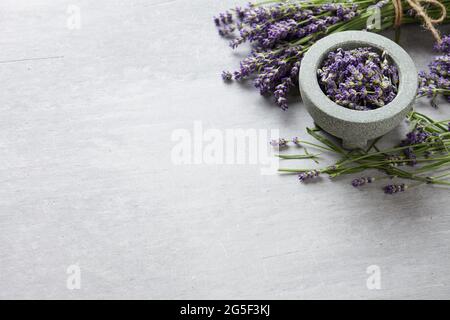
(353,126)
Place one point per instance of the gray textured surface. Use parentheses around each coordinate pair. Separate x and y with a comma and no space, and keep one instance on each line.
(86,174)
(356,127)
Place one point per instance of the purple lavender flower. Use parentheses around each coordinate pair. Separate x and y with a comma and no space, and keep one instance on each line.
(296,140)
(281,91)
(226,18)
(226,31)
(280,30)
(393,188)
(362,181)
(240,13)
(359,79)
(416,136)
(444,46)
(304,176)
(276,76)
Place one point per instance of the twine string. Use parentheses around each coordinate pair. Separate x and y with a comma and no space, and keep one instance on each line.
(417,7)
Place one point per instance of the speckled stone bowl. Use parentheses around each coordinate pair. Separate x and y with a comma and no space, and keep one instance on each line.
(353,126)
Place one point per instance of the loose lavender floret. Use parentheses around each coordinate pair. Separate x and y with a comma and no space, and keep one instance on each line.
(416,136)
(304,176)
(359,79)
(296,140)
(227,76)
(362,181)
(279,143)
(395,188)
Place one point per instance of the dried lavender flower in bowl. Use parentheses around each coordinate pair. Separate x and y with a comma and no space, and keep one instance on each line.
(338,109)
(359,79)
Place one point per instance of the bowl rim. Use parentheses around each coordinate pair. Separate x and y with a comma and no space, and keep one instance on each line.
(408,77)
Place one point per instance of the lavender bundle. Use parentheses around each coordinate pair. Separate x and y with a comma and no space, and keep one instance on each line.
(280,32)
(423,157)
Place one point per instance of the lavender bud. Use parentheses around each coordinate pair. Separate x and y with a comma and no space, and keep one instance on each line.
(296,141)
(393,188)
(304,176)
(227,76)
(362,181)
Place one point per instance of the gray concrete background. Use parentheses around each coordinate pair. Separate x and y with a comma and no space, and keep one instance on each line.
(86,176)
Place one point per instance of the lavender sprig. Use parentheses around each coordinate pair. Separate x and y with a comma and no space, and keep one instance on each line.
(426,146)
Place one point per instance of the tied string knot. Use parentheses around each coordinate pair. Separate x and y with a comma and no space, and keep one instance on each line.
(416,5)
